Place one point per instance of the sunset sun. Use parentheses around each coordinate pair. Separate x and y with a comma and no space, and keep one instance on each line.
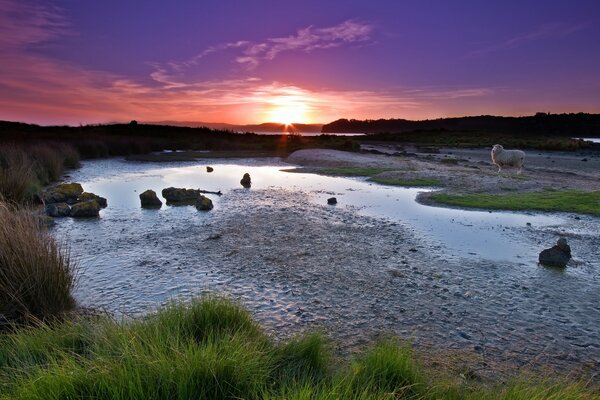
(285,110)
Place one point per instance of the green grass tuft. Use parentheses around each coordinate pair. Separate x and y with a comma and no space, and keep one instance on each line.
(554,201)
(352,171)
(226,356)
(418,182)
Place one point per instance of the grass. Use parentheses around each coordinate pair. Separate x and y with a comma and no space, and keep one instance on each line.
(352,171)
(418,182)
(25,169)
(36,274)
(211,348)
(552,201)
(18,181)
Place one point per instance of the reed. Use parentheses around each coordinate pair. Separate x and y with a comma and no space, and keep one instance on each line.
(36,274)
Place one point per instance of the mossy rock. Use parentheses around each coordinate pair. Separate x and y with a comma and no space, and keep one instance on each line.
(58,210)
(203,203)
(86,196)
(180,196)
(63,193)
(86,209)
(149,199)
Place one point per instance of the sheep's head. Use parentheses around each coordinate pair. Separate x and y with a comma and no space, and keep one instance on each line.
(497,148)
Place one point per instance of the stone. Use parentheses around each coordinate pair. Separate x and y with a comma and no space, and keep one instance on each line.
(63,193)
(209,169)
(180,195)
(58,210)
(556,256)
(332,200)
(149,199)
(86,209)
(86,196)
(245,182)
(203,203)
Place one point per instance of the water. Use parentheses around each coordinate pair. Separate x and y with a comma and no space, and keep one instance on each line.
(593,140)
(377,261)
(462,232)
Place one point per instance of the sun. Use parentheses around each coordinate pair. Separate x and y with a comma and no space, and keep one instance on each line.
(287,111)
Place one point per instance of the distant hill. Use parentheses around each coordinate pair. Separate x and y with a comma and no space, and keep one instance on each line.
(580,124)
(266,127)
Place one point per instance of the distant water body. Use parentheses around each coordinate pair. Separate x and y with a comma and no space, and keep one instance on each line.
(309,133)
(593,140)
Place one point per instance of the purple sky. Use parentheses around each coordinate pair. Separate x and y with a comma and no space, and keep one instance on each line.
(72,61)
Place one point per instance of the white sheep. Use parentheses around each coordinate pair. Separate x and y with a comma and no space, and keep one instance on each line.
(512,158)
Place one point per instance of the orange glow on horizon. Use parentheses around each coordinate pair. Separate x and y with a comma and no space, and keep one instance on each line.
(287,110)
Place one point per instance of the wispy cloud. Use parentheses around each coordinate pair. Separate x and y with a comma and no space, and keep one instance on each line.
(251,54)
(23,24)
(549,30)
(306,40)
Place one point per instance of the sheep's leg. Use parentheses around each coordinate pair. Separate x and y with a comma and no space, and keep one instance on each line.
(519,171)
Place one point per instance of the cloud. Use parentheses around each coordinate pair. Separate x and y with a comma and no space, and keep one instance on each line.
(23,24)
(251,54)
(549,30)
(306,40)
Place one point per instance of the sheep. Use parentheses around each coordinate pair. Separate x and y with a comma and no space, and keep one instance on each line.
(513,158)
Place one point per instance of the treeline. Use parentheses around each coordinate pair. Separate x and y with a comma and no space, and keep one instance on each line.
(96,141)
(580,124)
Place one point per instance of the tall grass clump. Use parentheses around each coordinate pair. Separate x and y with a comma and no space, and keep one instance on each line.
(25,169)
(17,176)
(36,274)
(47,163)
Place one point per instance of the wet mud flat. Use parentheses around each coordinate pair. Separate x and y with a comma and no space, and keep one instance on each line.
(358,277)
(300,266)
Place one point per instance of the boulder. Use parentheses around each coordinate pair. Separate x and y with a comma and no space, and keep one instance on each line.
(556,256)
(332,200)
(58,210)
(149,199)
(209,169)
(203,203)
(180,195)
(86,196)
(245,182)
(63,193)
(85,209)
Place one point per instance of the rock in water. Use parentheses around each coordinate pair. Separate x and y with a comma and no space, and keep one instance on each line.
(63,193)
(556,256)
(245,182)
(332,200)
(203,203)
(149,199)
(85,196)
(209,169)
(86,209)
(180,195)
(58,210)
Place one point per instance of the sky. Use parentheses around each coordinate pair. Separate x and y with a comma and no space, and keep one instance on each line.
(82,62)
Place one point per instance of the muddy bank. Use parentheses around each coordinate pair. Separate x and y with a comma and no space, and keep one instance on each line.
(465,170)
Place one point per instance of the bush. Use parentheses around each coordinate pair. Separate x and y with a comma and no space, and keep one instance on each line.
(36,274)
